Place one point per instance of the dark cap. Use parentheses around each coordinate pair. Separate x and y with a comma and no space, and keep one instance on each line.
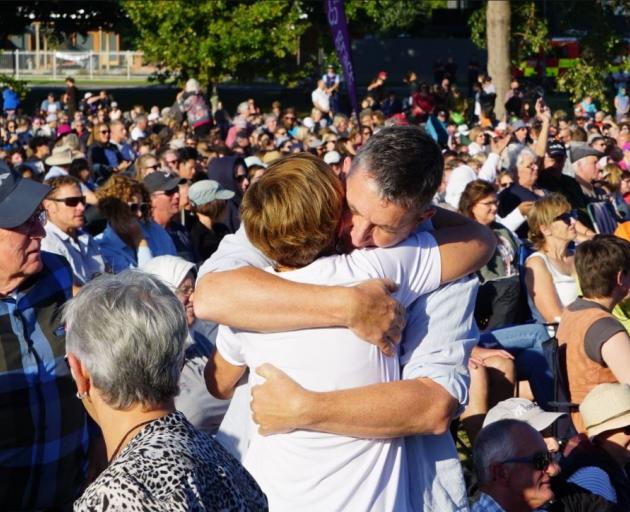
(579,152)
(160,181)
(556,149)
(19,197)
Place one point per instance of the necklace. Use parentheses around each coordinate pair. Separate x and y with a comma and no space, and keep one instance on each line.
(125,437)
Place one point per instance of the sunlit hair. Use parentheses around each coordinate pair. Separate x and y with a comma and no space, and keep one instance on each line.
(613,174)
(474,192)
(60,181)
(141,165)
(292,213)
(95,135)
(117,191)
(544,211)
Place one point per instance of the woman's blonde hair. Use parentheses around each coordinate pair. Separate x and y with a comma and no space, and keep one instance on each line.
(293,212)
(543,213)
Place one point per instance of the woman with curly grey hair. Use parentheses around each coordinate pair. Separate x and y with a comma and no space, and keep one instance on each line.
(125,347)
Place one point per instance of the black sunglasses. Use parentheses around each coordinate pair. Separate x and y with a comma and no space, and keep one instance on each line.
(566,217)
(71,201)
(241,178)
(541,461)
(156,166)
(142,207)
(171,192)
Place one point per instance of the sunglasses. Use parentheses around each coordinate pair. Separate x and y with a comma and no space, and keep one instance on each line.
(241,178)
(172,162)
(139,207)
(154,167)
(71,201)
(566,217)
(541,461)
(505,185)
(170,192)
(104,132)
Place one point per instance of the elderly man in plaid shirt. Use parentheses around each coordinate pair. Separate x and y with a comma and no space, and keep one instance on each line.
(43,430)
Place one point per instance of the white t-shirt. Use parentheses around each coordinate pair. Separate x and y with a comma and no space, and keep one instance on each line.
(306,470)
(321,100)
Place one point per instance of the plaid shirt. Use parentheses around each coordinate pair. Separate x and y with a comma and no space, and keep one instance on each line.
(485,504)
(43,430)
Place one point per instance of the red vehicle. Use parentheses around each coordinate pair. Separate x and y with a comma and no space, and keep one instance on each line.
(561,56)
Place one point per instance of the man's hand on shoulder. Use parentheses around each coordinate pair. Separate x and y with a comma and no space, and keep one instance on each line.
(375,316)
(279,405)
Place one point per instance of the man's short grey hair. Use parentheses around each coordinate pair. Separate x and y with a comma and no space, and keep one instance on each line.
(495,444)
(525,153)
(406,164)
(128,329)
(243,108)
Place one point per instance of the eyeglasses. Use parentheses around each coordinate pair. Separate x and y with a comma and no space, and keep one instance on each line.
(38,219)
(185,291)
(139,207)
(566,217)
(541,461)
(72,202)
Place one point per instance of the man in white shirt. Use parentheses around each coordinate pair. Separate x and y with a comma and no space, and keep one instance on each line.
(388,184)
(292,228)
(65,208)
(321,98)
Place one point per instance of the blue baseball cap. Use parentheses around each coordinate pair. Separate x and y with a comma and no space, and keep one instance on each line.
(19,197)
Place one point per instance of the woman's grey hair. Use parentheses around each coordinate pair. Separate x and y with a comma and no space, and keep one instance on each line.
(405,163)
(525,152)
(128,329)
(495,444)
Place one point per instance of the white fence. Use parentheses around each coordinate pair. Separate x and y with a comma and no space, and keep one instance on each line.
(87,65)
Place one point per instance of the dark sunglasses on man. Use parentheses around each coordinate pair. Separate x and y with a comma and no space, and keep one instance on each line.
(72,202)
(541,460)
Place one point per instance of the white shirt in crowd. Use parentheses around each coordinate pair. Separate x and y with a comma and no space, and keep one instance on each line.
(81,252)
(318,471)
(321,100)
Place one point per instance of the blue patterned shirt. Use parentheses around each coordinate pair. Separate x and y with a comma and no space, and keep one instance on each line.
(43,430)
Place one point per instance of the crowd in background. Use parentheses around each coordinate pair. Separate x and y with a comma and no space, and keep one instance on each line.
(158,189)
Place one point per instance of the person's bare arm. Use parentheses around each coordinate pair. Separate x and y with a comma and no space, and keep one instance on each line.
(221,377)
(465,245)
(542,112)
(255,300)
(541,289)
(391,409)
(616,355)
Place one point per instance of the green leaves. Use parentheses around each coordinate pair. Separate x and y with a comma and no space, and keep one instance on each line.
(217,40)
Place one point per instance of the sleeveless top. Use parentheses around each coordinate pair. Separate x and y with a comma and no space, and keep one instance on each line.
(566,286)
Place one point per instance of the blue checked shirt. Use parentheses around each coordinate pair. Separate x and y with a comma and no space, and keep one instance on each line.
(486,504)
(43,429)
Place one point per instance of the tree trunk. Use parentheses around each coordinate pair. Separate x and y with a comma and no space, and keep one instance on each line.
(498,14)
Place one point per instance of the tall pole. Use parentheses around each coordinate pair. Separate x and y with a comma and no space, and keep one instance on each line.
(498,20)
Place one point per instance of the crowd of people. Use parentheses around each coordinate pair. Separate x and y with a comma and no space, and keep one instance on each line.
(298,310)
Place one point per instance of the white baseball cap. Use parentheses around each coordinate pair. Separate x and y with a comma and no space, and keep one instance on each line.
(523,410)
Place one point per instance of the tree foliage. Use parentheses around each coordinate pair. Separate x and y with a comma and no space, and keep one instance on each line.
(529,30)
(219,39)
(383,16)
(19,86)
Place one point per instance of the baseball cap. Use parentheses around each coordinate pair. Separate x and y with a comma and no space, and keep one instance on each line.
(254,161)
(606,407)
(160,181)
(205,191)
(582,151)
(556,148)
(19,197)
(595,136)
(519,125)
(523,410)
(332,157)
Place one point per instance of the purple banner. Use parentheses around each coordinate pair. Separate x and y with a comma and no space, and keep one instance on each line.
(339,28)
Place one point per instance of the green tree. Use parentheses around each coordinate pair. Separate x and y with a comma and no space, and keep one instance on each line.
(220,39)
(384,16)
